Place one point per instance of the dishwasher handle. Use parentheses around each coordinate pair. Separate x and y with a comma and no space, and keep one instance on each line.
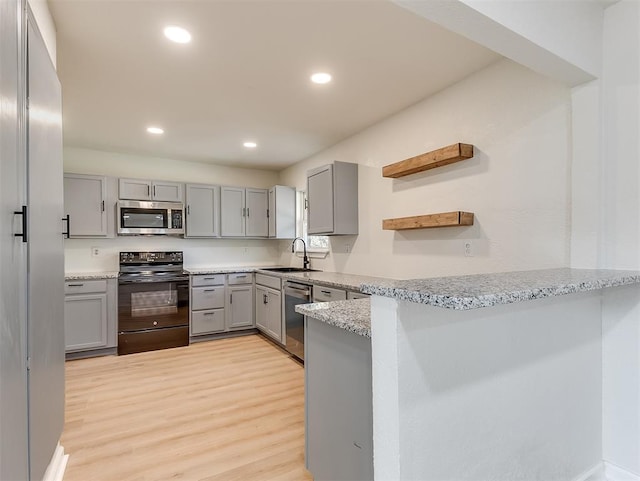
(298,291)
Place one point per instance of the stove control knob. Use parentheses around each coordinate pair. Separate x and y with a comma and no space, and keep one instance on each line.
(155,323)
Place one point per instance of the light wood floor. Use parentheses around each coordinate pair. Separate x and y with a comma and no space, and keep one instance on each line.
(230,409)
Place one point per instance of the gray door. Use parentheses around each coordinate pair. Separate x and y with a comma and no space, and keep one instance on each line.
(45,256)
(320,199)
(84,202)
(202,211)
(232,212)
(13,253)
(257,205)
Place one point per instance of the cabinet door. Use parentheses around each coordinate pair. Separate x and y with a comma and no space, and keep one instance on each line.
(166,191)
(261,308)
(85,321)
(256,220)
(274,315)
(272,212)
(232,212)
(240,307)
(202,210)
(134,189)
(84,202)
(320,200)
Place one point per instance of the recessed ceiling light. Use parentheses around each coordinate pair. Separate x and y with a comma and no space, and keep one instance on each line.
(177,34)
(250,145)
(321,78)
(155,130)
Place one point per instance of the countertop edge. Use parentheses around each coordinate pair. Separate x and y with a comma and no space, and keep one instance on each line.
(353,315)
(425,291)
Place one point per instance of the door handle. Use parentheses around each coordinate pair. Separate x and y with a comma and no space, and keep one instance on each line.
(23,213)
(68,232)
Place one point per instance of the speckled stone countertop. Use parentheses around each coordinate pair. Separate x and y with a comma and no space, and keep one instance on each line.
(219,270)
(353,316)
(74,276)
(486,290)
(329,279)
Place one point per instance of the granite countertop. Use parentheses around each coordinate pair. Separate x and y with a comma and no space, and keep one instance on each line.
(486,290)
(353,316)
(329,279)
(73,276)
(219,270)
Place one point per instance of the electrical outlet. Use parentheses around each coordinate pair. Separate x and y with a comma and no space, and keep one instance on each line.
(95,252)
(347,248)
(468,249)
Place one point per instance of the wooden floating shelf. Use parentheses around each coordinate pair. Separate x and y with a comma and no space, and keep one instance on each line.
(445,219)
(430,160)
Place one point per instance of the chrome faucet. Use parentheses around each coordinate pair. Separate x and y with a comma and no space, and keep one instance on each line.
(305,259)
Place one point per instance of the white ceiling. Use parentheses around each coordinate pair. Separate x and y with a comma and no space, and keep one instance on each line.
(245,75)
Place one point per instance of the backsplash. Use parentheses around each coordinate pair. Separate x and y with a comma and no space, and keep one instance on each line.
(197,252)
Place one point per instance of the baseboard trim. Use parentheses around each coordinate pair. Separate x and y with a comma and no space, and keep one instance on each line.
(608,472)
(57,466)
(616,473)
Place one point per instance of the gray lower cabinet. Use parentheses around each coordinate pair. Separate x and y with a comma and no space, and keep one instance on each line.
(269,312)
(90,314)
(240,301)
(338,403)
(221,303)
(328,294)
(207,304)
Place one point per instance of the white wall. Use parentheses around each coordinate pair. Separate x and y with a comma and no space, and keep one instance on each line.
(517,184)
(198,252)
(511,392)
(620,246)
(47,28)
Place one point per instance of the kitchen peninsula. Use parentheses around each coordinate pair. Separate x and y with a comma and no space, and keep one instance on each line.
(524,375)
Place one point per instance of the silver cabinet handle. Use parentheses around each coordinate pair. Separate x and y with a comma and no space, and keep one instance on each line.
(148,191)
(154,190)
(327,293)
(103,206)
(188,210)
(230,298)
(67,234)
(209,290)
(247,211)
(265,299)
(209,314)
(75,285)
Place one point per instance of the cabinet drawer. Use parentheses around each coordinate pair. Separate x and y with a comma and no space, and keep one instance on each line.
(357,295)
(207,298)
(325,294)
(269,281)
(84,286)
(205,322)
(240,278)
(207,280)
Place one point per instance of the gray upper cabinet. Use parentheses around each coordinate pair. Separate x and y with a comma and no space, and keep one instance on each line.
(332,194)
(141,189)
(85,203)
(203,206)
(232,212)
(257,206)
(243,212)
(282,212)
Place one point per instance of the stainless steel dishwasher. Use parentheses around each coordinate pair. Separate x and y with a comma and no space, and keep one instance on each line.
(295,293)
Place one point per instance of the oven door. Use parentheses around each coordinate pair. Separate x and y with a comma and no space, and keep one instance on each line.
(153,305)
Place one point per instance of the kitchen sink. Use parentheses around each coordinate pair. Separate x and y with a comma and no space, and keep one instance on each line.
(289,269)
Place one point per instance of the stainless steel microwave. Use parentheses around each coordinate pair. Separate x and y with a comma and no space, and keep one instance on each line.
(138,217)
